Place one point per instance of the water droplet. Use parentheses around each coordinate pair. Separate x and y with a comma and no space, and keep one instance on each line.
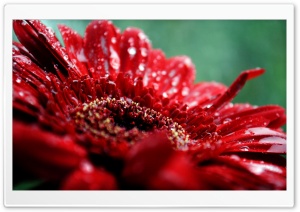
(172,73)
(131,51)
(185,91)
(66,57)
(81,56)
(113,39)
(18,80)
(154,74)
(144,52)
(226,120)
(163,72)
(165,95)
(142,36)
(175,81)
(114,59)
(142,67)
(21,93)
(272,140)
(244,148)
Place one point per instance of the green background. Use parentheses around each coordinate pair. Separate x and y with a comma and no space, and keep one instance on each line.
(220,50)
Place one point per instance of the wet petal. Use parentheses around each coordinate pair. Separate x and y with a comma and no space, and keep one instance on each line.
(155,69)
(273,113)
(101,48)
(74,47)
(135,48)
(44,45)
(234,173)
(180,74)
(257,139)
(202,94)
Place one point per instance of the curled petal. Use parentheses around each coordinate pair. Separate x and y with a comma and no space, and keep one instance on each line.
(87,177)
(44,153)
(235,87)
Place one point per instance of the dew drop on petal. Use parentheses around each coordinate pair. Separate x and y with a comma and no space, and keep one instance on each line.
(226,120)
(185,91)
(144,52)
(114,59)
(113,39)
(244,148)
(172,73)
(142,67)
(21,93)
(18,80)
(131,51)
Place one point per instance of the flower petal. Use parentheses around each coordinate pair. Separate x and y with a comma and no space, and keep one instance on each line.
(257,139)
(180,74)
(87,177)
(202,94)
(155,68)
(135,48)
(146,158)
(234,173)
(74,47)
(235,87)
(44,45)
(44,153)
(101,48)
(153,164)
(273,113)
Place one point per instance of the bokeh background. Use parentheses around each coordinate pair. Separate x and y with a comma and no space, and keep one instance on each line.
(220,50)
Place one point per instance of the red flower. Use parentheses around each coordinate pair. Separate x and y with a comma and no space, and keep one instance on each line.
(109,112)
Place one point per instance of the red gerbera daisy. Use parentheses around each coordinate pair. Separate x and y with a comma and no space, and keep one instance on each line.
(107,111)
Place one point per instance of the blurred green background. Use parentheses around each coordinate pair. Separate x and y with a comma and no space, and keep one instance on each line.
(220,50)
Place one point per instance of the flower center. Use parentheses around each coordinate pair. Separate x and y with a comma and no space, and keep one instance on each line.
(125,120)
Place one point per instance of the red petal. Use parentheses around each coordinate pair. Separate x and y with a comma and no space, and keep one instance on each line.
(74,47)
(44,45)
(177,174)
(44,153)
(153,164)
(179,77)
(87,177)
(235,173)
(258,139)
(235,87)
(135,48)
(101,48)
(146,158)
(202,94)
(155,69)
(273,113)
